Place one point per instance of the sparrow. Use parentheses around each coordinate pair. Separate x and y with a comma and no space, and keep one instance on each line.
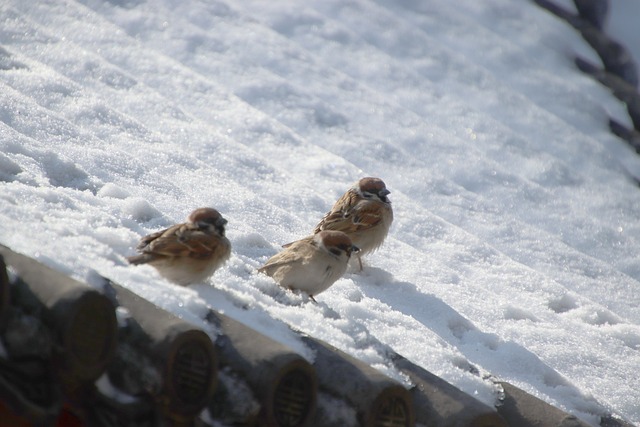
(364,213)
(311,264)
(189,252)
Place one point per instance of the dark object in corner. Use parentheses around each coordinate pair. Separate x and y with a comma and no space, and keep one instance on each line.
(616,58)
(620,88)
(594,12)
(59,335)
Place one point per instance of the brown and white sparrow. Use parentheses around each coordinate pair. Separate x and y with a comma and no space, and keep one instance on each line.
(364,213)
(311,264)
(189,252)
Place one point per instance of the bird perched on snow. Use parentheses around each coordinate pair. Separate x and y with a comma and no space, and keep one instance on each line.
(311,264)
(364,213)
(189,252)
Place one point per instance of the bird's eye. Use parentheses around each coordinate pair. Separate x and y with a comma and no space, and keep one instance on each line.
(336,252)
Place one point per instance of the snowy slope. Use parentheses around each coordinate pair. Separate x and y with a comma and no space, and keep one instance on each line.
(513,251)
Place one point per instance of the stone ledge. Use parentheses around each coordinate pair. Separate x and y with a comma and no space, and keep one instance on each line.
(156,376)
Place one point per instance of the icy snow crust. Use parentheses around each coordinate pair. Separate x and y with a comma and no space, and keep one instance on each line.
(514,251)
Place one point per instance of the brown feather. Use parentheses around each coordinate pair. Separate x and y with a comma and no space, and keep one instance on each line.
(189,252)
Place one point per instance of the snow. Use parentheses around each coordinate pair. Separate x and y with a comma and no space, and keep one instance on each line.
(513,251)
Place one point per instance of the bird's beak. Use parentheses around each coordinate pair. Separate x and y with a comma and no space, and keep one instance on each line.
(384,192)
(355,249)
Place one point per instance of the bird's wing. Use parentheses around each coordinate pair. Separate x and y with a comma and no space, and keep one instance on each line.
(201,243)
(181,241)
(359,216)
(338,218)
(294,253)
(147,240)
(366,215)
